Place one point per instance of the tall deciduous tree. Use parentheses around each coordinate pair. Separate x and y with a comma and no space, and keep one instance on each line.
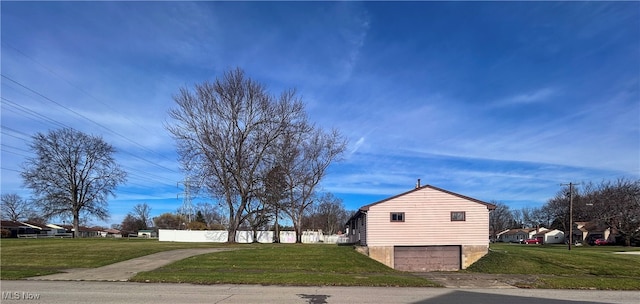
(72,173)
(224,132)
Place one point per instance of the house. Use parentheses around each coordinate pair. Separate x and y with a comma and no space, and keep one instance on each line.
(554,236)
(84,232)
(519,235)
(115,233)
(424,229)
(11,229)
(147,233)
(588,232)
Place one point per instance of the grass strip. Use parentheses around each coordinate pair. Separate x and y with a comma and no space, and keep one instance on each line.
(284,264)
(23,258)
(554,266)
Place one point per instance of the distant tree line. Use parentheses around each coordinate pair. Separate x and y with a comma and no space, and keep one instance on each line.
(614,204)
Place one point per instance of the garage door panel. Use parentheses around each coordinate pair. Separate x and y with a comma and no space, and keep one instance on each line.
(427,258)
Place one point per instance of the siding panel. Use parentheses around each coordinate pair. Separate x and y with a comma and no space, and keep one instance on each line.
(427,221)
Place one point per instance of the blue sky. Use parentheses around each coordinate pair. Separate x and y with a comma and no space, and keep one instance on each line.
(499,101)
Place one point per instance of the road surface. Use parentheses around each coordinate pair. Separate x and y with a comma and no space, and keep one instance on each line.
(69,292)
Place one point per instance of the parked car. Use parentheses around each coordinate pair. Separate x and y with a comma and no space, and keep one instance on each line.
(532,241)
(600,242)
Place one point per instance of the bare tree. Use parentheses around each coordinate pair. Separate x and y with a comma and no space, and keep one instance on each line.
(618,206)
(212,215)
(224,131)
(72,173)
(141,212)
(328,214)
(170,221)
(14,208)
(500,219)
(131,224)
(305,159)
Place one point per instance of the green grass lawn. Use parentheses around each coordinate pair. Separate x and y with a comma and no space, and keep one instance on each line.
(554,266)
(305,264)
(284,264)
(21,258)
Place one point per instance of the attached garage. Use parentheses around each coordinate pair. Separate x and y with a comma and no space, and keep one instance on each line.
(427,258)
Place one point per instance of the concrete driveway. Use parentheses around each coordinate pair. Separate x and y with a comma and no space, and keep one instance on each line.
(123,271)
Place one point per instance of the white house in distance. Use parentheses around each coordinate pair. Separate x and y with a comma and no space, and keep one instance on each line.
(553,236)
(424,229)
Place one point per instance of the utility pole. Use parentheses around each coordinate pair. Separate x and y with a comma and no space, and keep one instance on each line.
(570,213)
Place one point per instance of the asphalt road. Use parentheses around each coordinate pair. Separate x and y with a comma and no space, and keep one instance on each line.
(69,292)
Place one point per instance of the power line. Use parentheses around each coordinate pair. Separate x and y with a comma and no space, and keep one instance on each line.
(71,84)
(28,111)
(92,121)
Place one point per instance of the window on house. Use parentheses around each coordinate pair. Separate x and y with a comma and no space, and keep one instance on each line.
(458,216)
(397,216)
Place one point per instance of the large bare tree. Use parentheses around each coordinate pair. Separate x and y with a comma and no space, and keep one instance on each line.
(224,132)
(72,173)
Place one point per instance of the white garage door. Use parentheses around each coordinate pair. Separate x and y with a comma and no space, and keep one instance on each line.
(427,258)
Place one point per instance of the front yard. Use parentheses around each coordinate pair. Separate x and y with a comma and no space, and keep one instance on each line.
(305,264)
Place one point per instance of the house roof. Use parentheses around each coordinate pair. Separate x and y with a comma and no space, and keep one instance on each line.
(489,206)
(37,225)
(593,226)
(517,231)
(11,224)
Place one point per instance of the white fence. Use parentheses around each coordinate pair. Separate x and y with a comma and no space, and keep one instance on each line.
(221,236)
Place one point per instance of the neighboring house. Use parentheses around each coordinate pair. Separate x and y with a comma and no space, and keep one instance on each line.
(59,231)
(147,234)
(588,232)
(12,229)
(425,229)
(519,235)
(554,236)
(115,233)
(85,232)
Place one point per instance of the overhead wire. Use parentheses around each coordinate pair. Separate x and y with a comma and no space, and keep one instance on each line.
(20,110)
(91,121)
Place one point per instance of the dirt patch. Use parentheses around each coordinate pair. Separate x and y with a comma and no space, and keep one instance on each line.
(478,280)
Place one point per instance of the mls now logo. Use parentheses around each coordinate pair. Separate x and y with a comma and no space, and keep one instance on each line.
(17,295)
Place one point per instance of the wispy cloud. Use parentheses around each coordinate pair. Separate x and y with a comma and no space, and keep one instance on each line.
(537,96)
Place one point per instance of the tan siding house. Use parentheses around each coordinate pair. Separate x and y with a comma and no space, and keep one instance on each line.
(424,229)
